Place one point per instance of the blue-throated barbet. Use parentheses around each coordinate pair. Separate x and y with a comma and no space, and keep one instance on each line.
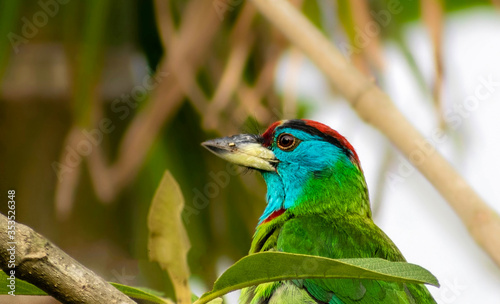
(317,204)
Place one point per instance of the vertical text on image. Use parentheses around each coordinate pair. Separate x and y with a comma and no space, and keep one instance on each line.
(11,231)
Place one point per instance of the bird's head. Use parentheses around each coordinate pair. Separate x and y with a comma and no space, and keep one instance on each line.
(308,167)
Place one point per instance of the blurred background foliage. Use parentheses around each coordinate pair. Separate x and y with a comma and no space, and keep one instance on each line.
(162,77)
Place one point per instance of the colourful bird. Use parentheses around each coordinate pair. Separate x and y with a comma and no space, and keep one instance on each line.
(317,204)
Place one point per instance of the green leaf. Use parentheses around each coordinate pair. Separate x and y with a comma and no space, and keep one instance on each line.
(21,287)
(12,37)
(142,293)
(312,11)
(28,289)
(89,63)
(276,266)
(168,242)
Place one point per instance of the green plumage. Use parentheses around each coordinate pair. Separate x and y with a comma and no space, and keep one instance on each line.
(318,204)
(341,237)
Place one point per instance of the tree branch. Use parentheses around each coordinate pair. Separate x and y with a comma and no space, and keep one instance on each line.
(44,265)
(376,108)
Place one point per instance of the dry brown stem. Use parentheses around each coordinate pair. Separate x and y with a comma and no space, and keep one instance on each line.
(44,265)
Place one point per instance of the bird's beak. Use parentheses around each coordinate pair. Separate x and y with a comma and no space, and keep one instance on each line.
(244,150)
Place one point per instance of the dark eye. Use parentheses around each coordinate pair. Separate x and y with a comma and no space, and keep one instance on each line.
(287,142)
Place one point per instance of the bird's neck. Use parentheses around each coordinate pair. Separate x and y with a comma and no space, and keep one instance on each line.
(266,234)
(335,191)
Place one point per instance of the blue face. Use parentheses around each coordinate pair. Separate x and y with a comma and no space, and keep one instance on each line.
(308,168)
(302,156)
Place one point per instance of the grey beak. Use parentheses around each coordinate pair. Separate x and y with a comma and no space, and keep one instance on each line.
(244,150)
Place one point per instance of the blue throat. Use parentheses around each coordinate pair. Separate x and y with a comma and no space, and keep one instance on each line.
(275,194)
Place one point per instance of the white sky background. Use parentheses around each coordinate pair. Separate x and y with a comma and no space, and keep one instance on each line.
(413,214)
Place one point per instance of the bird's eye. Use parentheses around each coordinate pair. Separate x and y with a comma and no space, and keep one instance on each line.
(287,142)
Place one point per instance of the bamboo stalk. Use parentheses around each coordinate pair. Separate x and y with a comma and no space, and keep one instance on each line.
(376,108)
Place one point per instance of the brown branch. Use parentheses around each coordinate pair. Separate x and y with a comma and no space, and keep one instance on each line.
(187,49)
(371,53)
(242,40)
(143,130)
(44,265)
(432,13)
(376,108)
(296,58)
(65,188)
(250,97)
